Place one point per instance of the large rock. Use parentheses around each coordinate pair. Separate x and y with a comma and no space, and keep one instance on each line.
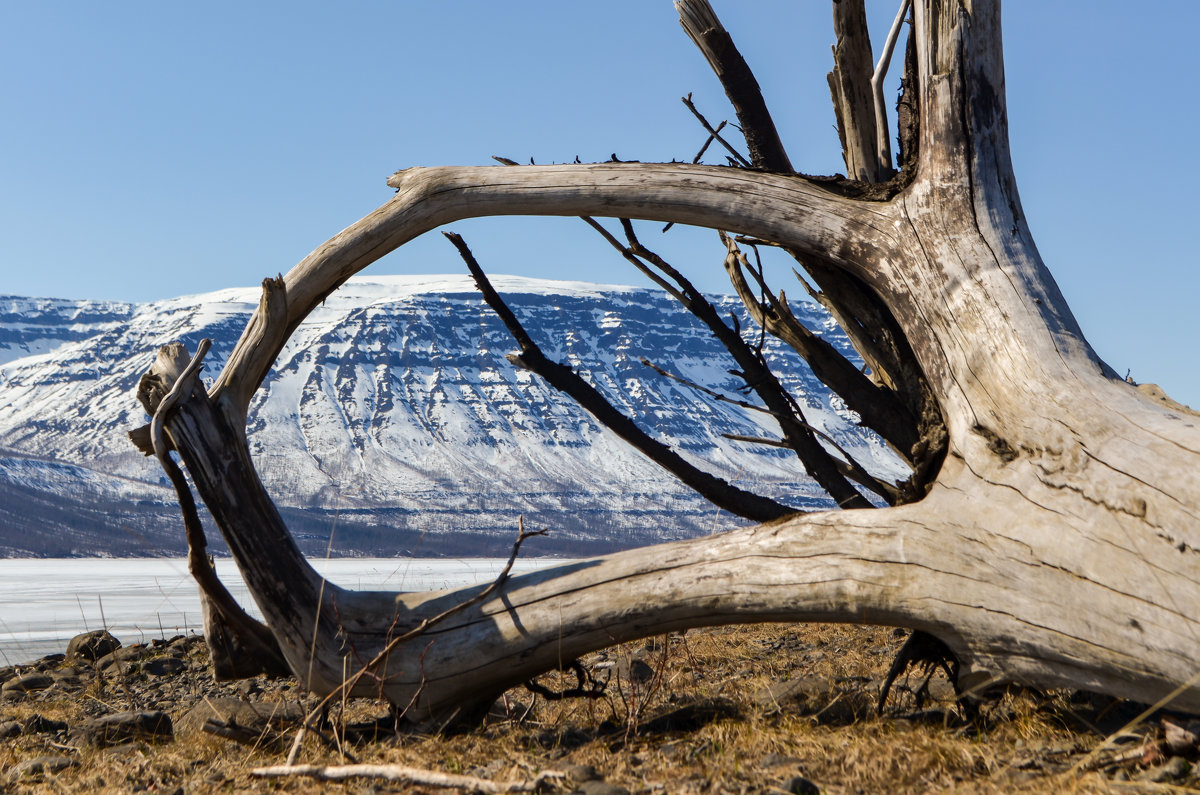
(92,645)
(122,727)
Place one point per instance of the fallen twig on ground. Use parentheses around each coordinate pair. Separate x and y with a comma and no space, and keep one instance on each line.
(407,775)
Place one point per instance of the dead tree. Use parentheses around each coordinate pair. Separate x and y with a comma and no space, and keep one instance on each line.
(1051,536)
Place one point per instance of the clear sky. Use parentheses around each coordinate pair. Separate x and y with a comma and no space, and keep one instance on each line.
(154,149)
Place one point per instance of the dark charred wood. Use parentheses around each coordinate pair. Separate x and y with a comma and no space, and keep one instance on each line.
(758,127)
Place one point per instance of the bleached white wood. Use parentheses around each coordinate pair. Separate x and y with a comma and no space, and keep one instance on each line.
(406,775)
(883,143)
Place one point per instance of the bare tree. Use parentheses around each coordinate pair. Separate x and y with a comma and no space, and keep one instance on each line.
(1049,533)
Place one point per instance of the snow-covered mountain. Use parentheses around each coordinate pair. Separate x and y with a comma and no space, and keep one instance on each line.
(393,421)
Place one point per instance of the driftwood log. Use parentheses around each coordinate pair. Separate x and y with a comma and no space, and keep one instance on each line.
(1058,543)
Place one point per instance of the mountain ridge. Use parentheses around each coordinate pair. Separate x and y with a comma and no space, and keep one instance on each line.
(393,415)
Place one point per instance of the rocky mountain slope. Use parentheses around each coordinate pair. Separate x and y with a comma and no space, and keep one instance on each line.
(393,422)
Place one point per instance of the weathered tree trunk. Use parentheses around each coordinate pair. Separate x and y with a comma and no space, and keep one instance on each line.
(1058,546)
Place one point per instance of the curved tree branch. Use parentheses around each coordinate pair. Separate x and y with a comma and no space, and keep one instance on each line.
(788,209)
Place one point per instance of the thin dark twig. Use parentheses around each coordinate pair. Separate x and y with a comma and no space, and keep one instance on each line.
(716,490)
(888,492)
(428,623)
(763,299)
(714,133)
(829,472)
(710,392)
(633,259)
(586,685)
(756,241)
(708,142)
(909,413)
(878,408)
(737,437)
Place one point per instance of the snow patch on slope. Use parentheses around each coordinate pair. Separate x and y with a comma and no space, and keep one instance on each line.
(394,402)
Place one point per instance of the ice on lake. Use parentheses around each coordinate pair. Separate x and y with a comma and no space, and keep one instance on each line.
(46,602)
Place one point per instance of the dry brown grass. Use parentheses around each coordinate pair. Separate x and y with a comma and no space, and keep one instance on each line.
(695,722)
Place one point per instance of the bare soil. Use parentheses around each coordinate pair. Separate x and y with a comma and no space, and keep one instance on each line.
(757,709)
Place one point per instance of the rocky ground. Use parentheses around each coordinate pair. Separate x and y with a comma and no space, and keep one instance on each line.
(764,709)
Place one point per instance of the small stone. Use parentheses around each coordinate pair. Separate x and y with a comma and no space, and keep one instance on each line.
(638,671)
(799,785)
(125,726)
(1179,738)
(49,661)
(776,760)
(29,683)
(124,654)
(183,643)
(596,787)
(92,645)
(255,715)
(37,724)
(248,687)
(1173,769)
(39,766)
(580,773)
(67,684)
(163,666)
(9,728)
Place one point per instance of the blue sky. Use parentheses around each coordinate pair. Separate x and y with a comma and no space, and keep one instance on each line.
(153,149)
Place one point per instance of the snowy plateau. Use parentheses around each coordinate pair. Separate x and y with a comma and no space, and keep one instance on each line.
(393,424)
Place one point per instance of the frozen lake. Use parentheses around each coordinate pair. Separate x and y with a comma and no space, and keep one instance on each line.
(46,602)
